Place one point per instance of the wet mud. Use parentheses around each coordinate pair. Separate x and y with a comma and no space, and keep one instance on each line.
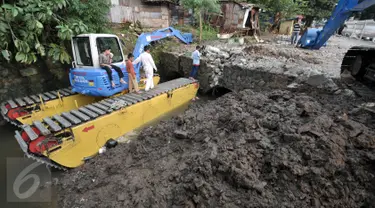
(250,148)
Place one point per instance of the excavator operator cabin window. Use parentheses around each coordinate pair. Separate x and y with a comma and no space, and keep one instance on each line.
(104,42)
(82,51)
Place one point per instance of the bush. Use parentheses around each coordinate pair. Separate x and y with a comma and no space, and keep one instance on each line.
(32,29)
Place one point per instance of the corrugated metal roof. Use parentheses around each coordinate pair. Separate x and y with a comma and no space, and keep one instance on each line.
(244,5)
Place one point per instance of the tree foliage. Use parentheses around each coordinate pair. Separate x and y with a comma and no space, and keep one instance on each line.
(319,9)
(288,8)
(202,5)
(199,7)
(32,29)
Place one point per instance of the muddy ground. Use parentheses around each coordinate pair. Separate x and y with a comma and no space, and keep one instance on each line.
(246,149)
(252,148)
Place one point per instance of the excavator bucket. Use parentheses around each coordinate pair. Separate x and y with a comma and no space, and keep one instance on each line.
(146,38)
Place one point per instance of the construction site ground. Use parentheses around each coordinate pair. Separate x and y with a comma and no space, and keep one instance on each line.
(261,147)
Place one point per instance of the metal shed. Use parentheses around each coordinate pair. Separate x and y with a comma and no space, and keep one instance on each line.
(236,16)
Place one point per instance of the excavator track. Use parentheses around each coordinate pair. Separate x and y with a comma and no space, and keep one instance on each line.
(365,52)
(52,140)
(31,102)
(25,110)
(358,71)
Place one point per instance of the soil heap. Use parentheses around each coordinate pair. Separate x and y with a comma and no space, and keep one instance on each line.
(245,149)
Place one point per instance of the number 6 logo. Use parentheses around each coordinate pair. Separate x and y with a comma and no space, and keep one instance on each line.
(22,177)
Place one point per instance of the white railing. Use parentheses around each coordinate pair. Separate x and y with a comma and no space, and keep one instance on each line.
(360,29)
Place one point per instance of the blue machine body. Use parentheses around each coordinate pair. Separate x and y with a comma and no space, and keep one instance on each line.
(341,13)
(95,82)
(309,37)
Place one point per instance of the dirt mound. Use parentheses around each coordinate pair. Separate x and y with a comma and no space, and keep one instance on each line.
(291,53)
(249,149)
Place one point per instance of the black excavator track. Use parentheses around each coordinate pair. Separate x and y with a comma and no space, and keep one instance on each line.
(358,71)
(32,102)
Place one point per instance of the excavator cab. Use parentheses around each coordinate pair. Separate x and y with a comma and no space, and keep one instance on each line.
(86,76)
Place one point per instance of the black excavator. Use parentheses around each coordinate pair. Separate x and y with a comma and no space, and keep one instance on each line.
(359,61)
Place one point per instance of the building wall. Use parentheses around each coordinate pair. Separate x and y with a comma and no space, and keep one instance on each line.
(233,15)
(181,16)
(153,16)
(232,18)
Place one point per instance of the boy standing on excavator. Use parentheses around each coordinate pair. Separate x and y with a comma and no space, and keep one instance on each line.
(149,67)
(133,84)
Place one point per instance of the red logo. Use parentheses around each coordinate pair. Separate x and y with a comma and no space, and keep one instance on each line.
(80,73)
(86,129)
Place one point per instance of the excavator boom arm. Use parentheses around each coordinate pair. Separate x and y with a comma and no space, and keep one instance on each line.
(343,10)
(363,5)
(146,38)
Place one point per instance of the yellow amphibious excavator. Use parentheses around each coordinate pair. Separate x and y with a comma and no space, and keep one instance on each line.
(64,128)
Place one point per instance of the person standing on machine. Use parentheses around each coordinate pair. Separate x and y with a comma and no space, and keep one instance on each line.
(148,66)
(133,84)
(105,61)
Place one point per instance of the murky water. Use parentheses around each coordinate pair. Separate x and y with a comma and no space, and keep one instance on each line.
(9,148)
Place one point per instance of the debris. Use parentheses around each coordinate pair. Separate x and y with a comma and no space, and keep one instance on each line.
(317,80)
(293,85)
(102,150)
(181,134)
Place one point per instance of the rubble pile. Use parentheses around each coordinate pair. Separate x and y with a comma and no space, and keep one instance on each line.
(233,65)
(317,68)
(215,59)
(245,149)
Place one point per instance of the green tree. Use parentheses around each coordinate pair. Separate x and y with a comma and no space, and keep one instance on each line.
(288,8)
(318,9)
(199,7)
(279,9)
(33,29)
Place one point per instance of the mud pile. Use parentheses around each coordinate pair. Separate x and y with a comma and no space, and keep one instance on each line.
(246,149)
